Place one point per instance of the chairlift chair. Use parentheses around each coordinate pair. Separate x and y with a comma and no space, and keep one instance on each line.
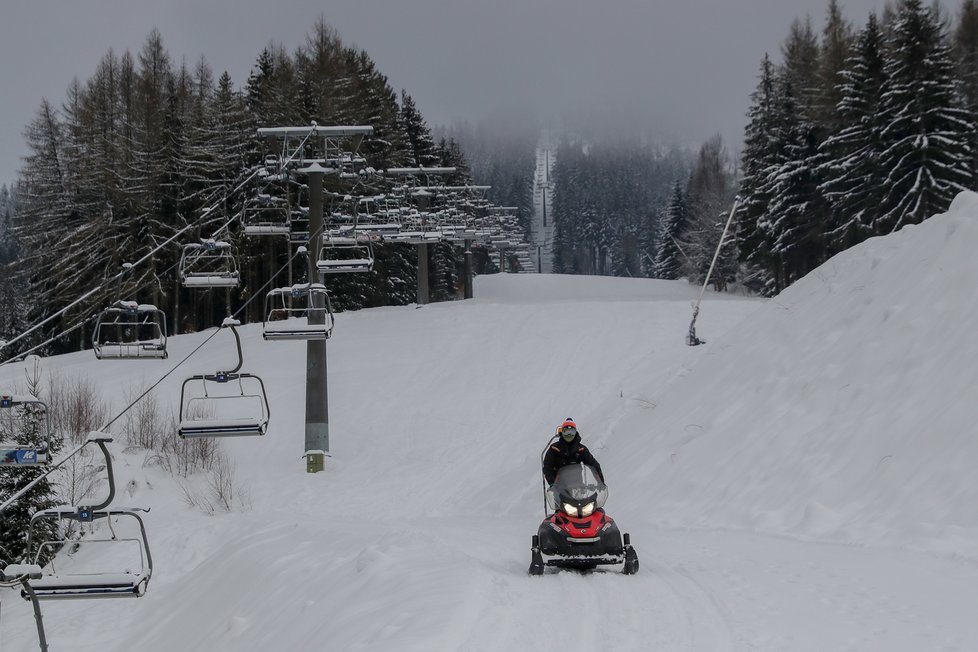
(209,264)
(78,577)
(127,330)
(346,254)
(300,312)
(16,415)
(225,403)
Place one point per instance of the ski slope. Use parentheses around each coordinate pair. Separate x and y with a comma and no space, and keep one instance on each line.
(804,481)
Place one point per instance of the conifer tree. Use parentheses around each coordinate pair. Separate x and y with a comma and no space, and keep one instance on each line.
(669,256)
(423,150)
(837,40)
(796,212)
(27,426)
(854,180)
(709,193)
(966,57)
(761,154)
(927,140)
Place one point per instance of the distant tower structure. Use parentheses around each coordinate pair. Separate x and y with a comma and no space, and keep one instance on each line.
(542,224)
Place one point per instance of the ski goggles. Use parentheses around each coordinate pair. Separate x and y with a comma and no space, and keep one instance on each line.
(568,432)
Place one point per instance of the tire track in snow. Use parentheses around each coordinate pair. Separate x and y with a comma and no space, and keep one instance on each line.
(708,621)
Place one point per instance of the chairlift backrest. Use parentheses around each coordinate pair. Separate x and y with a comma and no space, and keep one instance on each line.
(299,312)
(127,331)
(209,264)
(346,254)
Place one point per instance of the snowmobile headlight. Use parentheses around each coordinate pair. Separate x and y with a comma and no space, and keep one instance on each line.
(587,510)
(570,510)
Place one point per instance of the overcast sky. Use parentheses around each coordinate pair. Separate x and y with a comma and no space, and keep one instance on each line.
(682,69)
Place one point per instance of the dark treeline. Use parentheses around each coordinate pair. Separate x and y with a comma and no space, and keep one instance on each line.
(856,133)
(138,150)
(607,200)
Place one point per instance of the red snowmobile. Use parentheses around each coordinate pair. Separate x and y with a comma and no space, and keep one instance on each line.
(577,533)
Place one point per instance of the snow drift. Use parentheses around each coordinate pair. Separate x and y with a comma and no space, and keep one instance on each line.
(843,408)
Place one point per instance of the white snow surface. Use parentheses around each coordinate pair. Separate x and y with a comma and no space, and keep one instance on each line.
(804,481)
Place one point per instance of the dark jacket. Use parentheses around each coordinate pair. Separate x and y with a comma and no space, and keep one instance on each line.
(562,453)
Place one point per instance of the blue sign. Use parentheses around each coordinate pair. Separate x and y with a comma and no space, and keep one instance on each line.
(22,456)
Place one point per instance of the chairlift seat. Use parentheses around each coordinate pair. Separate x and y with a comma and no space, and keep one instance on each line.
(230,280)
(130,351)
(340,265)
(222,428)
(296,329)
(267,229)
(98,585)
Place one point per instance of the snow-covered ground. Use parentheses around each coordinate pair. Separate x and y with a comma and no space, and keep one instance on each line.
(804,481)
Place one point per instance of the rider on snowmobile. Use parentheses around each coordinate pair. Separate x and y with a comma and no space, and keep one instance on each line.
(568,449)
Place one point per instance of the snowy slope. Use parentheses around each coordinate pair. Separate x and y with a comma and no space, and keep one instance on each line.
(745,470)
(853,393)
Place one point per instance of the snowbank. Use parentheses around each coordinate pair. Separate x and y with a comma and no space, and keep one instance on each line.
(843,408)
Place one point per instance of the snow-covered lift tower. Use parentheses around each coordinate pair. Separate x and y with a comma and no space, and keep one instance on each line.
(317,152)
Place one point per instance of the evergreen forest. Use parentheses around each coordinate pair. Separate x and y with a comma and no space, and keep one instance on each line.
(135,153)
(855,132)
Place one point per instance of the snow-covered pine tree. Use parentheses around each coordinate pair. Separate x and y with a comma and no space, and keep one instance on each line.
(564,208)
(423,150)
(761,153)
(259,94)
(709,193)
(669,255)
(928,155)
(965,52)
(796,214)
(14,300)
(377,106)
(853,177)
(834,52)
(40,221)
(27,428)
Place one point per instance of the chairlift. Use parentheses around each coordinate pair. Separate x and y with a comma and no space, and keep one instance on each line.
(16,416)
(346,254)
(209,264)
(300,312)
(127,330)
(266,214)
(75,574)
(225,403)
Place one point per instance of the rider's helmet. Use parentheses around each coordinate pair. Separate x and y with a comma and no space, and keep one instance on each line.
(568,429)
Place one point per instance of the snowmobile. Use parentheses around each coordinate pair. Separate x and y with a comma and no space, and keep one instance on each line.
(576,533)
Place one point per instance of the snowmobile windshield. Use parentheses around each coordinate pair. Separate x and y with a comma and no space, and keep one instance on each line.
(579,483)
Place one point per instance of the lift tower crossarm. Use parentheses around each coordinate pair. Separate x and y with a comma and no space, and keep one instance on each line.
(328,132)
